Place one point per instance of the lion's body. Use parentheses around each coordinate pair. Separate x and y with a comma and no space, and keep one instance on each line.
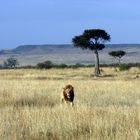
(68,94)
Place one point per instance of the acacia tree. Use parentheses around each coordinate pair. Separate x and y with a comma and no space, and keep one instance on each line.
(117,55)
(11,62)
(92,39)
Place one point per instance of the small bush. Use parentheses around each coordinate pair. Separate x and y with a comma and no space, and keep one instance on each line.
(62,66)
(77,65)
(45,65)
(124,67)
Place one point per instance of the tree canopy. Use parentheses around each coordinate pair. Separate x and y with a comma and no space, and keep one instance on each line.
(92,39)
(118,54)
(11,62)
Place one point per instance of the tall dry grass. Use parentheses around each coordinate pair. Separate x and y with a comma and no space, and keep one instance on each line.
(106,108)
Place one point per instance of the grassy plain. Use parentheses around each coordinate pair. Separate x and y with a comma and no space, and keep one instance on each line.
(106,108)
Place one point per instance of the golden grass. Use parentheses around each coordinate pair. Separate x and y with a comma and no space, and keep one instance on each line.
(106,108)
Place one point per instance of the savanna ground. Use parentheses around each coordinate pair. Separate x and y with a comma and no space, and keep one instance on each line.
(106,108)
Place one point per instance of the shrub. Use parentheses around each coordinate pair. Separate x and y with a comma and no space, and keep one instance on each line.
(45,65)
(77,65)
(11,62)
(62,66)
(124,67)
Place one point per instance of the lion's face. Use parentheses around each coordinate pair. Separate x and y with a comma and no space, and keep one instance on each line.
(69,92)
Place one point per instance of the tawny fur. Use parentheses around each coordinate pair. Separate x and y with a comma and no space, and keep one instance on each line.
(68,94)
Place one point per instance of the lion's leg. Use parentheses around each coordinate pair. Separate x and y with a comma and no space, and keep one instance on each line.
(72,104)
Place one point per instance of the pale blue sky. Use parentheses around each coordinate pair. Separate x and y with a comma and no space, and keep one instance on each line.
(57,21)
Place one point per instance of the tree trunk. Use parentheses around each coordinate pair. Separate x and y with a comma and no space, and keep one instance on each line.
(119,61)
(97,69)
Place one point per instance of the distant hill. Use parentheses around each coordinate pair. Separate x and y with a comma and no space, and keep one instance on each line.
(68,54)
(35,49)
(45,49)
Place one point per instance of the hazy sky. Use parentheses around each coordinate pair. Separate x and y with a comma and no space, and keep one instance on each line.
(57,21)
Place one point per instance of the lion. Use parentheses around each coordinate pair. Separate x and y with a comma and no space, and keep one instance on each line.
(68,94)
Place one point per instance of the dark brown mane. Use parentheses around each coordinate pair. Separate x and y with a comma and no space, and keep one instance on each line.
(68,94)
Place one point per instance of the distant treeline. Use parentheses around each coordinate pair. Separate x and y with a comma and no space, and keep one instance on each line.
(49,65)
